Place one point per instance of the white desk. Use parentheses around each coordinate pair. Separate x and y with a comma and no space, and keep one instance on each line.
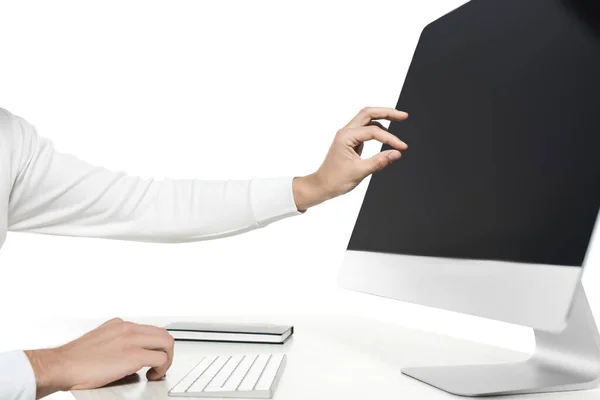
(336,357)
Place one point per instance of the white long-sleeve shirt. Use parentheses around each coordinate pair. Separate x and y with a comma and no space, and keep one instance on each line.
(44,191)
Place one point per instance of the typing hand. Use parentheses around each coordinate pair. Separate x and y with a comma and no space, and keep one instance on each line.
(343,168)
(110,352)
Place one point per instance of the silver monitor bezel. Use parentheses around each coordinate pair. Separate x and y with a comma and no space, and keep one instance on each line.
(534,295)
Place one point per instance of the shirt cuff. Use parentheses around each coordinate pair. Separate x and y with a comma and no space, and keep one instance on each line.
(272,199)
(17,380)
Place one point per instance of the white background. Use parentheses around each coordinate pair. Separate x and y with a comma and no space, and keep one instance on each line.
(213,90)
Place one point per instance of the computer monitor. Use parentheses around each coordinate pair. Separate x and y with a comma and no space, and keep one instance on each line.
(492,208)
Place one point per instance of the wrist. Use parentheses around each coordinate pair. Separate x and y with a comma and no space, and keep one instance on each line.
(46,365)
(309,191)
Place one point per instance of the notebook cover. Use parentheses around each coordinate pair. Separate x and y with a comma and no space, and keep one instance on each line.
(238,328)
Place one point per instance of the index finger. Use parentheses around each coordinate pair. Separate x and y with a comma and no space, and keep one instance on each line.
(154,338)
(372,132)
(367,114)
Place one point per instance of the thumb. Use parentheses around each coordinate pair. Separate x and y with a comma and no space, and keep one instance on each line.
(155,374)
(381,160)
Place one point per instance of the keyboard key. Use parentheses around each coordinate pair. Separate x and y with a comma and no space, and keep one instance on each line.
(270,372)
(257,368)
(202,366)
(224,374)
(240,373)
(208,375)
(187,381)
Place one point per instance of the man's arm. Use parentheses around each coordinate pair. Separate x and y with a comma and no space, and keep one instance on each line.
(59,194)
(55,193)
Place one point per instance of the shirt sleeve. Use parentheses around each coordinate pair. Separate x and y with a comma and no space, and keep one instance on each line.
(17,381)
(59,194)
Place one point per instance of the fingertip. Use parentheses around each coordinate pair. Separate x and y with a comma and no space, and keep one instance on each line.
(398,115)
(150,374)
(394,156)
(154,375)
(400,145)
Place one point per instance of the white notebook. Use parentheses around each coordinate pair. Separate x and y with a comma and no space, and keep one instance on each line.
(230,332)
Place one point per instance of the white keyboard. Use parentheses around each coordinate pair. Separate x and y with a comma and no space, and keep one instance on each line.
(244,376)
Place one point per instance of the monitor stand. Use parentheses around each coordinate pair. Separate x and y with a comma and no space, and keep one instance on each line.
(568,360)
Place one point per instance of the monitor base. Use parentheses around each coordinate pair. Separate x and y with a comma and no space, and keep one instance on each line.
(568,360)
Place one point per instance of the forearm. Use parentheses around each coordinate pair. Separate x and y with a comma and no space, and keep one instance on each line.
(164,211)
(46,367)
(55,193)
(62,195)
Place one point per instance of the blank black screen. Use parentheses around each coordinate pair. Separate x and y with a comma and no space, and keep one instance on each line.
(504,138)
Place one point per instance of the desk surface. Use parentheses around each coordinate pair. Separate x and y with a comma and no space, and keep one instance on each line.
(335,357)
